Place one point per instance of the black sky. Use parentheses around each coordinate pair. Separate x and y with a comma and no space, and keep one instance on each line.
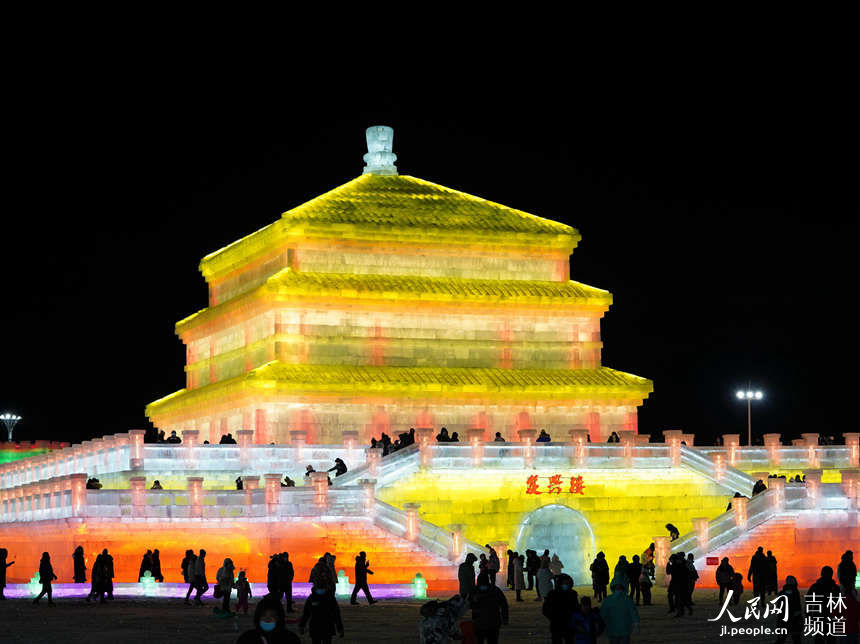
(718,207)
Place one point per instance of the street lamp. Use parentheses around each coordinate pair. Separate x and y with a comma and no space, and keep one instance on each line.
(749,396)
(10,420)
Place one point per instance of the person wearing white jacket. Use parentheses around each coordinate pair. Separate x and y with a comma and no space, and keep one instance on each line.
(544,580)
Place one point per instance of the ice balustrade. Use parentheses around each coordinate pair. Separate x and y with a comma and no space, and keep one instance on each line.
(789,499)
(127,452)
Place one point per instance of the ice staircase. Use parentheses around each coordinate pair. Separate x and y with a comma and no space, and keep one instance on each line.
(727,476)
(804,534)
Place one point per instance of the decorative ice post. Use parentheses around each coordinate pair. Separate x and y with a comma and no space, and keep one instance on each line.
(700,525)
(195,495)
(850,487)
(626,440)
(350,439)
(342,588)
(810,440)
(527,436)
(688,439)
(78,483)
(719,459)
(135,459)
(419,587)
(777,490)
(457,540)
(249,485)
(273,492)
(320,482)
(368,494)
(772,443)
(579,438)
(424,438)
(476,438)
(245,441)
(380,158)
(813,487)
(672,437)
(732,442)
(852,441)
(298,439)
(372,458)
(739,507)
(661,557)
(412,520)
(190,437)
(137,484)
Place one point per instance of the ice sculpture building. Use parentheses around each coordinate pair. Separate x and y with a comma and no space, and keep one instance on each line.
(387,303)
(391,302)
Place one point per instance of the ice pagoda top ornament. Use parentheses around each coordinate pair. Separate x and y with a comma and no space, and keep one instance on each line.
(379,158)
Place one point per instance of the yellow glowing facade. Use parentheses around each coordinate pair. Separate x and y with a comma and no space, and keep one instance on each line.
(391,302)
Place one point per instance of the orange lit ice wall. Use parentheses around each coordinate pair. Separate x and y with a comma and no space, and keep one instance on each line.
(391,302)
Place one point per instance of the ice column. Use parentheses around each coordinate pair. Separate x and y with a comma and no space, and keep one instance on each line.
(777,490)
(626,439)
(372,458)
(661,557)
(135,460)
(850,487)
(424,438)
(813,487)
(273,492)
(249,485)
(79,493)
(739,507)
(579,439)
(810,439)
(772,443)
(138,495)
(673,439)
(412,531)
(368,494)
(457,539)
(852,441)
(732,442)
(700,525)
(320,482)
(527,437)
(298,439)
(195,495)
(476,438)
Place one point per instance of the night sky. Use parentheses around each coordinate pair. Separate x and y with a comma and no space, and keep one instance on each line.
(718,212)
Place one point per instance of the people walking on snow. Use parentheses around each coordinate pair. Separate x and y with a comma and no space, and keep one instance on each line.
(771,584)
(494,564)
(794,625)
(46,578)
(619,613)
(599,576)
(519,582)
(438,618)
(80,566)
(188,566)
(3,566)
(156,566)
(555,565)
(620,571)
(243,592)
(846,573)
(198,578)
(645,586)
(269,625)
(532,567)
(145,565)
(224,580)
(321,615)
(724,576)
(634,571)
(758,573)
(544,580)
(466,575)
(510,582)
(489,610)
(559,607)
(587,623)
(362,570)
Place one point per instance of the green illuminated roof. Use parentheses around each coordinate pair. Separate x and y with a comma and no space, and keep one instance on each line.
(398,208)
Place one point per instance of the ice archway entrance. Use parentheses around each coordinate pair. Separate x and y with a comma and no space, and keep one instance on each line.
(563,531)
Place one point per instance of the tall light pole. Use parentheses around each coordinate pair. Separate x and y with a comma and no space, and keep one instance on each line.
(749,396)
(10,420)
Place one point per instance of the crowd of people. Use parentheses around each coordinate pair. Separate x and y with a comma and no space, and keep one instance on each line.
(571,618)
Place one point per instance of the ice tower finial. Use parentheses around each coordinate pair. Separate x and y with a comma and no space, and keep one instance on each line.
(379,158)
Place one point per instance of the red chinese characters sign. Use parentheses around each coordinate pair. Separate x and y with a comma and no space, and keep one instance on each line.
(555,485)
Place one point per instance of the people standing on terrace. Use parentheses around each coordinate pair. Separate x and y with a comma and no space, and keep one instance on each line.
(455,438)
(309,470)
(442,436)
(80,566)
(3,566)
(613,438)
(759,487)
(46,578)
(498,438)
(173,439)
(544,437)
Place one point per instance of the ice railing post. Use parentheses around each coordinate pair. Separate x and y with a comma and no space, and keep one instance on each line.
(137,485)
(672,437)
(273,492)
(579,440)
(319,480)
(700,526)
(732,444)
(135,459)
(527,437)
(476,441)
(424,438)
(368,495)
(813,487)
(661,558)
(852,442)
(195,496)
(411,520)
(772,443)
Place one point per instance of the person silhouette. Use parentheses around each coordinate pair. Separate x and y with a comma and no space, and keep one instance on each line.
(46,577)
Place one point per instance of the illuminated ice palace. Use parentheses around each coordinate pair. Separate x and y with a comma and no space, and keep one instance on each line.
(391,303)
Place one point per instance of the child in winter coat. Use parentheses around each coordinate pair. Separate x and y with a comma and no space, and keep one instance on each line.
(737,587)
(645,586)
(243,592)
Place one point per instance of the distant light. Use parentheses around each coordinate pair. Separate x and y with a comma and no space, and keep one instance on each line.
(758,395)
(740,395)
(750,394)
